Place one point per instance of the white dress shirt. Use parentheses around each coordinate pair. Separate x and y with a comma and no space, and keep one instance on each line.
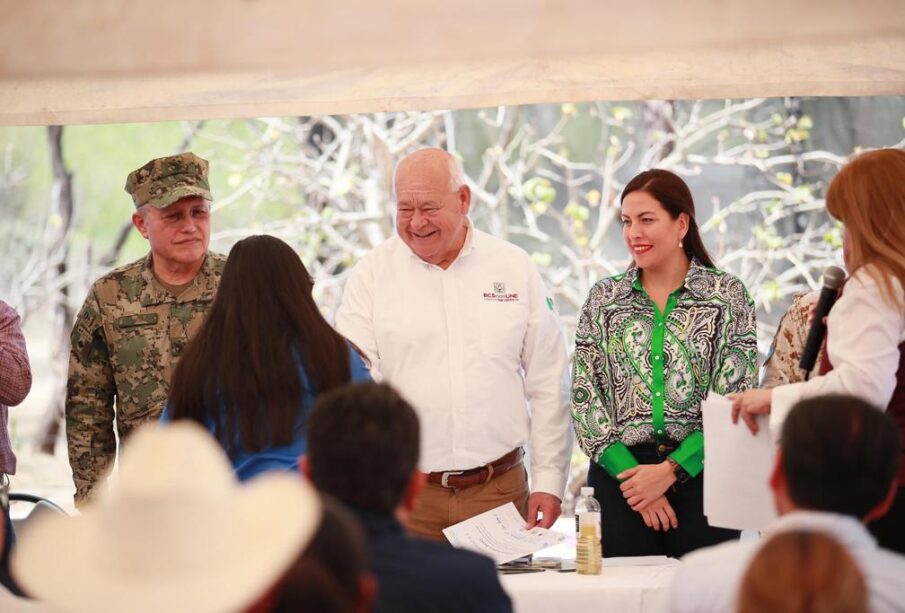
(708,580)
(864,332)
(476,349)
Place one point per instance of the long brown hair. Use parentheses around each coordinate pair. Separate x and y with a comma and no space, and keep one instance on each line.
(672,192)
(802,572)
(241,371)
(868,196)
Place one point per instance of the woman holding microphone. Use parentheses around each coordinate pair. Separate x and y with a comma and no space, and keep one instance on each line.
(866,326)
(650,344)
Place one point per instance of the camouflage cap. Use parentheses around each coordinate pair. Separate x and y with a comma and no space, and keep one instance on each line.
(163,181)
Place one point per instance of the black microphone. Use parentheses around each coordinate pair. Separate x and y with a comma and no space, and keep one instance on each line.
(833,278)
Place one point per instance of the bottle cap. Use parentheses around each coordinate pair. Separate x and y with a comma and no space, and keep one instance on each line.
(587,491)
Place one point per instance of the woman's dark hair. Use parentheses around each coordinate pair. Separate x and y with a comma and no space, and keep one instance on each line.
(672,192)
(328,574)
(241,372)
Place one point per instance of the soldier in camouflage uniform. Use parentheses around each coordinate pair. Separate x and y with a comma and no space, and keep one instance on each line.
(138,318)
(781,367)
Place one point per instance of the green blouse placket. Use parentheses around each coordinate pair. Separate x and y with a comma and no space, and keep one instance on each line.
(658,338)
(690,453)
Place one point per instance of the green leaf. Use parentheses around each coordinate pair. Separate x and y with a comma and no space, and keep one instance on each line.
(577,212)
(621,113)
(569,109)
(541,259)
(804,192)
(539,207)
(770,290)
(539,189)
(833,237)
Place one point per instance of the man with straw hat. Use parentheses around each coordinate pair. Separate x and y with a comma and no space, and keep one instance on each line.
(176,533)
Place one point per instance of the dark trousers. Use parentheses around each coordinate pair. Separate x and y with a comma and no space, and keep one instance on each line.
(624,532)
(8,543)
(889,530)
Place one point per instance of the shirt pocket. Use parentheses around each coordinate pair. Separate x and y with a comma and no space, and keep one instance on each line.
(136,341)
(502,327)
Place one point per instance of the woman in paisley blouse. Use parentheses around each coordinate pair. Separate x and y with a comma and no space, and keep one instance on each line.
(650,344)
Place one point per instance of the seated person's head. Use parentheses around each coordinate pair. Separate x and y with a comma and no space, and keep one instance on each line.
(363,445)
(802,572)
(837,454)
(331,574)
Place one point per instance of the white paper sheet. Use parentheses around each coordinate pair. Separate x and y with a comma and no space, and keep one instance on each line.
(500,534)
(639,561)
(737,469)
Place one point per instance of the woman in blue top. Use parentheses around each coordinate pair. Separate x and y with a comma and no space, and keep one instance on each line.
(262,356)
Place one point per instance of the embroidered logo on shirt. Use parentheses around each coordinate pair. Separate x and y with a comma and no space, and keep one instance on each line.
(499,293)
(549,303)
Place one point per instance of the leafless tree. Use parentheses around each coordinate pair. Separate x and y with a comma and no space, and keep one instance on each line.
(547,178)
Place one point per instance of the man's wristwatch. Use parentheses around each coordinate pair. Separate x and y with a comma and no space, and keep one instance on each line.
(681,474)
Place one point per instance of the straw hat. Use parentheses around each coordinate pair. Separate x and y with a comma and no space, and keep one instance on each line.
(177,533)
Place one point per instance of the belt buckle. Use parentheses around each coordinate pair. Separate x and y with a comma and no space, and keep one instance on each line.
(444,478)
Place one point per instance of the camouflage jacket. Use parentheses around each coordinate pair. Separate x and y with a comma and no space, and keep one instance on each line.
(125,342)
(781,367)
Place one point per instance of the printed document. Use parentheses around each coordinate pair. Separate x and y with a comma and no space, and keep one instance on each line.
(500,534)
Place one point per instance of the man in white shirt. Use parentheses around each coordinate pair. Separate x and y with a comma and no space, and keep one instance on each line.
(835,471)
(461,324)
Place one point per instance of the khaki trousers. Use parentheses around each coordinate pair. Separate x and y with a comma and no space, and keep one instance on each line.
(439,507)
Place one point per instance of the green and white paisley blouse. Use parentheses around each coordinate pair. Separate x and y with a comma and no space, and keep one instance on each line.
(639,375)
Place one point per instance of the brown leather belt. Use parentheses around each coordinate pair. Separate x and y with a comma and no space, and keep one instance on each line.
(458,479)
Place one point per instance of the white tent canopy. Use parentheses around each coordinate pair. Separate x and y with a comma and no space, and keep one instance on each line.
(101,61)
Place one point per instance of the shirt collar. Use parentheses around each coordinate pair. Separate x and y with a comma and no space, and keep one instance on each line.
(153,292)
(850,532)
(691,284)
(376,522)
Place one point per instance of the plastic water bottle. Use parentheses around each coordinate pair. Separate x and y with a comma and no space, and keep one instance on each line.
(587,534)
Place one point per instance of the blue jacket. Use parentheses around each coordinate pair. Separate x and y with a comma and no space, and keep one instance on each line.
(247,464)
(416,575)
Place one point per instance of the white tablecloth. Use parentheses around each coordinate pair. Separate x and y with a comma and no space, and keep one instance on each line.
(620,588)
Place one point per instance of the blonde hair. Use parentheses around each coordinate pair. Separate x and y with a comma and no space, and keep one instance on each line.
(802,572)
(868,196)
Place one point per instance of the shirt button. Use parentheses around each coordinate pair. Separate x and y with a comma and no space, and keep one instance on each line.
(660,324)
(657,394)
(659,431)
(656,357)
